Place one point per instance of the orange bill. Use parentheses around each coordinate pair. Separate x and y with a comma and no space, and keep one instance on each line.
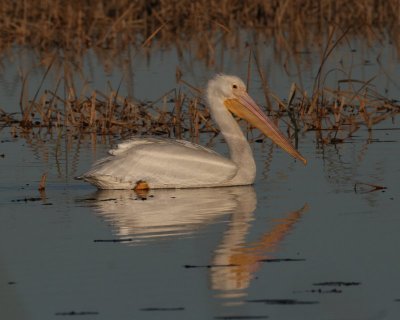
(244,107)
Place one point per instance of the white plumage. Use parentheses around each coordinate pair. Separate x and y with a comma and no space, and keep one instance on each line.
(163,163)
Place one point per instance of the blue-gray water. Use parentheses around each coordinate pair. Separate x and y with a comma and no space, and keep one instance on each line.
(57,258)
(147,79)
(308,242)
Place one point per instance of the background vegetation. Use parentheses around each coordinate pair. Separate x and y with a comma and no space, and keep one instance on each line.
(61,33)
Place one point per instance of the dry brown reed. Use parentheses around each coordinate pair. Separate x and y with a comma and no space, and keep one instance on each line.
(182,112)
(176,113)
(70,28)
(340,113)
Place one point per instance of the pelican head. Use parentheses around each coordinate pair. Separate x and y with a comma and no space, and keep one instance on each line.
(225,86)
(231,91)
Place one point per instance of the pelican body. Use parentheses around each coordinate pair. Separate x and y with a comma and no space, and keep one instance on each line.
(142,163)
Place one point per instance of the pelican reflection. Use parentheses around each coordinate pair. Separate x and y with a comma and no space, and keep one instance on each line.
(182,212)
(169,212)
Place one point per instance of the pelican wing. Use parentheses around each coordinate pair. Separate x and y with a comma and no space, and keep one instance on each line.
(161,163)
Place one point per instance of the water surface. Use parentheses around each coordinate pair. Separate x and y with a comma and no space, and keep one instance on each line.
(314,242)
(301,243)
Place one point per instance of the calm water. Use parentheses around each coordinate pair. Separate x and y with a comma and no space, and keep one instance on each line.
(302,243)
(140,77)
(201,254)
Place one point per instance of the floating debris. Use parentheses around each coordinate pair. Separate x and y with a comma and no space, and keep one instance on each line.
(337,283)
(371,187)
(283,301)
(281,260)
(27,199)
(77,313)
(103,200)
(320,291)
(163,309)
(113,240)
(89,200)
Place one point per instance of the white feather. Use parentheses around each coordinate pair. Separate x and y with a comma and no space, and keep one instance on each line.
(161,163)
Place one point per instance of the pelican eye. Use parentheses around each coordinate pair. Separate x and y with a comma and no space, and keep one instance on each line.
(234,86)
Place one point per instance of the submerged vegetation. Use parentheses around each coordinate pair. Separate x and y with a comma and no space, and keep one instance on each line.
(62,32)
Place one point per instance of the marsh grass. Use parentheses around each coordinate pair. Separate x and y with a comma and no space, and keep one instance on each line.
(173,114)
(61,32)
(334,114)
(70,28)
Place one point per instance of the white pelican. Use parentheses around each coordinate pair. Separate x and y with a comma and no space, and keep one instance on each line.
(149,163)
